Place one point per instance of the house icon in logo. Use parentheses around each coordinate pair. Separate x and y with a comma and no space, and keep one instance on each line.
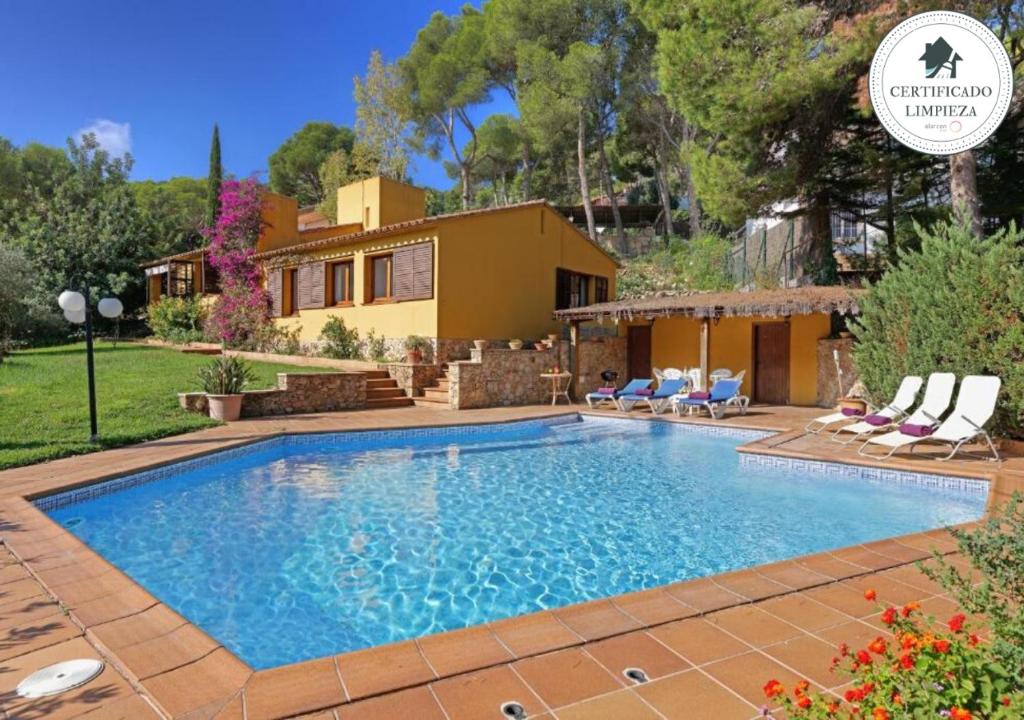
(940,59)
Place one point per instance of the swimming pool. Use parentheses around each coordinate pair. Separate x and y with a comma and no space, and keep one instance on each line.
(309,545)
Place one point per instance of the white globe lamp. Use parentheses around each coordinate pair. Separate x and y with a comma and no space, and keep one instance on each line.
(76,317)
(110,308)
(71,301)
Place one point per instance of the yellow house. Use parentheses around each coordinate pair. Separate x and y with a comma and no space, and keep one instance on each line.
(778,338)
(385,268)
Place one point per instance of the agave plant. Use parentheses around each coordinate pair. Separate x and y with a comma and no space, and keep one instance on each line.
(227,375)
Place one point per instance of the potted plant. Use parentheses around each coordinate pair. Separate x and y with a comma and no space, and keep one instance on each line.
(223,381)
(414,347)
(480,344)
(515,344)
(540,346)
(553,338)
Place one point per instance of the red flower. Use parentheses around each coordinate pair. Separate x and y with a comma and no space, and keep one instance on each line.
(863,658)
(941,646)
(1005,701)
(877,646)
(956,713)
(773,688)
(850,695)
(804,702)
(956,623)
(833,708)
(801,687)
(844,649)
(909,608)
(889,616)
(973,640)
(870,595)
(906,661)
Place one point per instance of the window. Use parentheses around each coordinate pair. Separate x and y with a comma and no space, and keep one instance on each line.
(600,289)
(291,292)
(342,283)
(380,278)
(572,289)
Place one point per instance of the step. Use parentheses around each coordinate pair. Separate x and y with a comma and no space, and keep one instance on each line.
(378,393)
(376,374)
(431,402)
(377,403)
(439,385)
(435,394)
(380,383)
(201,351)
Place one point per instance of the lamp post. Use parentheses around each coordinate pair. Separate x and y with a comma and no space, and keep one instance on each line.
(76,310)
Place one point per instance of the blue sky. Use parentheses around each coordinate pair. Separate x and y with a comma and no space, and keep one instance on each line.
(155,76)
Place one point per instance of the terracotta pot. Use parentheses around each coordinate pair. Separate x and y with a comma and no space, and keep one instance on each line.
(414,357)
(225,407)
(540,346)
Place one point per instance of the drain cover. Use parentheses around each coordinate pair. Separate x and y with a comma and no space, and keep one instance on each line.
(59,678)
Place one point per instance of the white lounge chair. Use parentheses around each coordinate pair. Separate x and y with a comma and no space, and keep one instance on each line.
(975,406)
(905,396)
(938,394)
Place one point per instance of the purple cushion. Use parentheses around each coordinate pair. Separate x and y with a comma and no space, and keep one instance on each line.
(877,420)
(852,412)
(606,391)
(646,392)
(699,395)
(916,430)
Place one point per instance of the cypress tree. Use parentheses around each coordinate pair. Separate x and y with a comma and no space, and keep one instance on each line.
(213,180)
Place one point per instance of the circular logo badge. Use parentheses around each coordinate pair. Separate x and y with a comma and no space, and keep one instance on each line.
(941,82)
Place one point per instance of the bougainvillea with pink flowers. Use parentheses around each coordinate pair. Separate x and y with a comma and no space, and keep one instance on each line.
(240,316)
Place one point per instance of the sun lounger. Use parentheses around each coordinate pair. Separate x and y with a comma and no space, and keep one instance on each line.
(595,399)
(938,394)
(656,401)
(905,396)
(723,394)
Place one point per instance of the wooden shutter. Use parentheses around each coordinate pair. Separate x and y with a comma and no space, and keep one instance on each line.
(402,270)
(275,288)
(310,278)
(423,271)
(563,289)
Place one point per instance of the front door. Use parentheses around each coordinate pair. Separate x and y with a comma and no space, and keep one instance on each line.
(639,351)
(771,363)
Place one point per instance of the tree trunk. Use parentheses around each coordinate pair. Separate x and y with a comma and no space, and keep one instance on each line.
(581,154)
(609,189)
(527,172)
(661,177)
(963,187)
(819,263)
(694,203)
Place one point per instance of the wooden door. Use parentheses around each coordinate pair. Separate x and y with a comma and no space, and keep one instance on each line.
(771,363)
(638,343)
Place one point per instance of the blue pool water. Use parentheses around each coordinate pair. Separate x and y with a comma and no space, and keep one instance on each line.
(309,546)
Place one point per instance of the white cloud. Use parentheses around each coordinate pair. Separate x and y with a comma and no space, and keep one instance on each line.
(114,137)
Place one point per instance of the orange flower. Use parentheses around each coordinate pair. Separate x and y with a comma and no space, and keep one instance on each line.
(801,687)
(908,641)
(956,623)
(833,708)
(870,595)
(897,698)
(880,713)
(804,702)
(773,688)
(956,713)
(877,646)
(889,616)
(941,646)
(909,608)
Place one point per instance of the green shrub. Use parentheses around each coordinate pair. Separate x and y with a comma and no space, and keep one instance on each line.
(956,305)
(337,341)
(178,320)
(703,264)
(270,338)
(996,552)
(227,375)
(376,347)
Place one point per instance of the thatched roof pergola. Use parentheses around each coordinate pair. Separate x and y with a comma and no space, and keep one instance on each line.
(780,302)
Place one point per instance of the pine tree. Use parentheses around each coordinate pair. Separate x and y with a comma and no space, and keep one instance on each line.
(213,180)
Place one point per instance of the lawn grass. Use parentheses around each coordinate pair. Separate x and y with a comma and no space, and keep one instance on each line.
(44,402)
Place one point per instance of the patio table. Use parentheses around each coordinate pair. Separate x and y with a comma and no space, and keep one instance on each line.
(560,383)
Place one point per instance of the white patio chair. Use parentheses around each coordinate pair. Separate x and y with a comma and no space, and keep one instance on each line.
(905,396)
(938,394)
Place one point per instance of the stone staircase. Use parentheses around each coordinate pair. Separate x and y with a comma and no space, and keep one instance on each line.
(437,394)
(383,392)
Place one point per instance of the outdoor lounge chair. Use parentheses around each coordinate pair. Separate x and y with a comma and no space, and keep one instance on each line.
(905,396)
(938,393)
(657,401)
(723,393)
(595,399)
(975,406)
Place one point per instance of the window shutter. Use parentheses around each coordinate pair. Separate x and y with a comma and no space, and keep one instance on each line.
(310,278)
(275,288)
(423,271)
(563,289)
(402,267)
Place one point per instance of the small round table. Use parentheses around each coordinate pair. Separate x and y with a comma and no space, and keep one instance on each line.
(558,389)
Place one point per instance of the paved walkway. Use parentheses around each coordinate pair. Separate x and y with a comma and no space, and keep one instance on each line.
(706,645)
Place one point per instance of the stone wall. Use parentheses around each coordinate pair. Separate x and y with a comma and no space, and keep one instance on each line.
(598,355)
(828,389)
(296,393)
(496,377)
(413,378)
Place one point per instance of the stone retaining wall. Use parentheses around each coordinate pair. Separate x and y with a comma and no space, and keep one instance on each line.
(413,378)
(598,355)
(828,389)
(295,393)
(498,377)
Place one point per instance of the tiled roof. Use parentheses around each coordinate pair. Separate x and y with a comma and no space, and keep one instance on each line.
(187,255)
(778,302)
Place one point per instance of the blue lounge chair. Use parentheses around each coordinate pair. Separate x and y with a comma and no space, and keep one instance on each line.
(723,393)
(656,401)
(597,398)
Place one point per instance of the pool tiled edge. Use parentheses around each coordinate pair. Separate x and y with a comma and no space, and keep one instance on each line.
(205,682)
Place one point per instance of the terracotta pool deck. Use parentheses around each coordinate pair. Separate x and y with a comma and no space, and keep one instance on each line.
(707,645)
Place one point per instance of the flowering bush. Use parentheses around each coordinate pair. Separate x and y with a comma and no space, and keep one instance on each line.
(177,320)
(240,316)
(920,669)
